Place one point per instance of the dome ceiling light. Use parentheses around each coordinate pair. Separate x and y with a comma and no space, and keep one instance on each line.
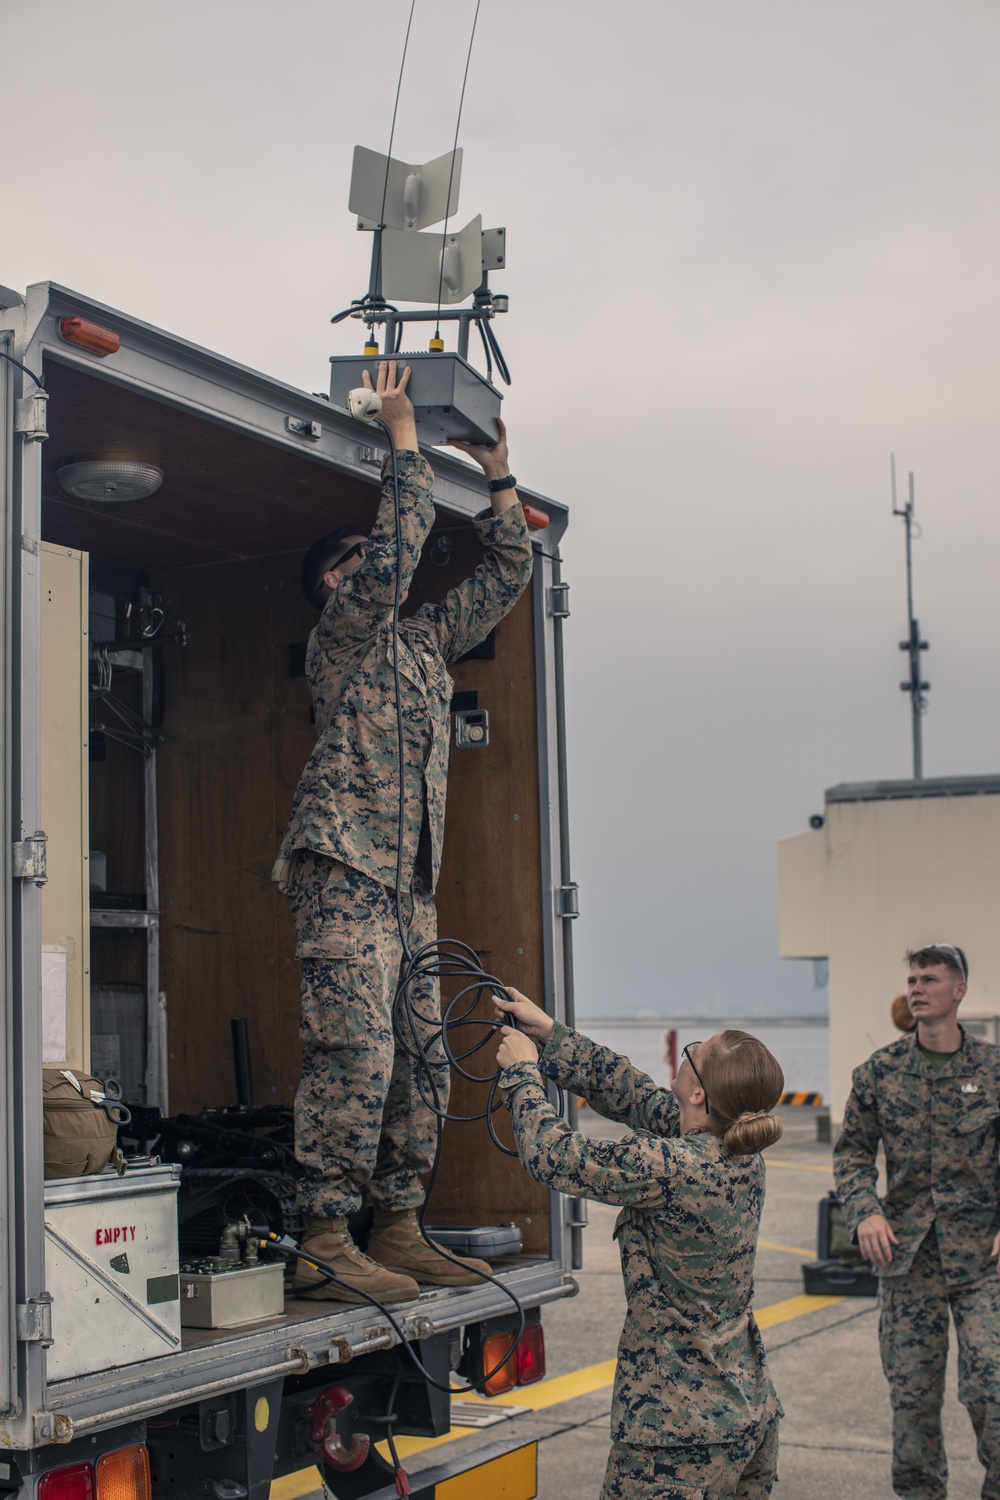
(110,479)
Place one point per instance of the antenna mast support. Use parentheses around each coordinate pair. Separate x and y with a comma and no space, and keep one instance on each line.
(915,686)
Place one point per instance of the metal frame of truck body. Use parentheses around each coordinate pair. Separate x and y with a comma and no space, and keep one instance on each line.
(179,374)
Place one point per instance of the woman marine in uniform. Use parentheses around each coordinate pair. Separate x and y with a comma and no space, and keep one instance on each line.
(694,1415)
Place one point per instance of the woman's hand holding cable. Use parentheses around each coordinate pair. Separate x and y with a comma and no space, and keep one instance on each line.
(530,1018)
(515,1047)
(397,408)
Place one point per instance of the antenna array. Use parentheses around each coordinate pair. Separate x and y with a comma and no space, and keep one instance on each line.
(914,644)
(396,201)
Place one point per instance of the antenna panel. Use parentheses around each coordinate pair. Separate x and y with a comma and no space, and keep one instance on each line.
(494,249)
(414,266)
(416,196)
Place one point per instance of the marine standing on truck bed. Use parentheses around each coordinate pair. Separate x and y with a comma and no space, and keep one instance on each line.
(362,1130)
(933,1099)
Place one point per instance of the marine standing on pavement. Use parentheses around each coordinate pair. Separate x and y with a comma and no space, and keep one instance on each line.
(933,1099)
(694,1415)
(362,1130)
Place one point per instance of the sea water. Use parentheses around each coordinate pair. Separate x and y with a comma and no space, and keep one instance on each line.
(802,1051)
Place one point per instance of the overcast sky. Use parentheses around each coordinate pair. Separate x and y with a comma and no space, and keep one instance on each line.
(753,245)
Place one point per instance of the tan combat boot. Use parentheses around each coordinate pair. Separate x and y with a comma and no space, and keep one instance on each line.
(329,1241)
(396,1242)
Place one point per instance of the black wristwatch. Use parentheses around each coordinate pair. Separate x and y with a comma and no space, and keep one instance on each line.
(507,483)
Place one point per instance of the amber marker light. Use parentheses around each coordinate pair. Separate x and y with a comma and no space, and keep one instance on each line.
(537,519)
(124,1474)
(494,1349)
(90,336)
(530,1356)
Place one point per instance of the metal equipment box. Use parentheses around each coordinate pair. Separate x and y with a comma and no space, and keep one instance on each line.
(831,1278)
(451,398)
(487,1239)
(111,1269)
(227,1299)
(840,1269)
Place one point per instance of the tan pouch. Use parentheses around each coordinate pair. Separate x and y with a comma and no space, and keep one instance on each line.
(79,1137)
(281,874)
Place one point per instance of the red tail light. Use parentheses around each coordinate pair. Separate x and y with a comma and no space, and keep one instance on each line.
(530,1355)
(74,1483)
(90,336)
(494,1349)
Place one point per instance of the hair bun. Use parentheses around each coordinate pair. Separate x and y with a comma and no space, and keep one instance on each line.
(751,1132)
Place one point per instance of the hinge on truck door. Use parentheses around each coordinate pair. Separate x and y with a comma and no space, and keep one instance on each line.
(29,858)
(559,601)
(30,417)
(569,899)
(34,1320)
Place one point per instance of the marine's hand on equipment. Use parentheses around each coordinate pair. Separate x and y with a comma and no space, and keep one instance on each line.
(530,1017)
(493,461)
(515,1047)
(397,408)
(876,1239)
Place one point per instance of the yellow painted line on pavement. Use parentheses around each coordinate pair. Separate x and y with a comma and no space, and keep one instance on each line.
(546,1393)
(792,1307)
(786,1249)
(799,1166)
(561,1387)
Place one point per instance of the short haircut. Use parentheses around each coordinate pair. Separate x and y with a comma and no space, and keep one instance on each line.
(321,557)
(940,953)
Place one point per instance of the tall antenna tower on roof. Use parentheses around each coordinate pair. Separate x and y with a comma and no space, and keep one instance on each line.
(396,201)
(913,645)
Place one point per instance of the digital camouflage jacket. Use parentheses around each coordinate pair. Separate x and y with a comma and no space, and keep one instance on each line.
(940,1132)
(691,1363)
(346,804)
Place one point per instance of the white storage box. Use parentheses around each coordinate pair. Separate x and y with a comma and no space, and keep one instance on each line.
(111,1268)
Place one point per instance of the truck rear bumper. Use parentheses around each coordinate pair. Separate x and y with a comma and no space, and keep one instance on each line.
(305,1338)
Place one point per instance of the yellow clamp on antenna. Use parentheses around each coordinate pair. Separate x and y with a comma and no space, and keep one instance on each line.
(436,346)
(371,348)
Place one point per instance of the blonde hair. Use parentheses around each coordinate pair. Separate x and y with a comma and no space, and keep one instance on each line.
(744,1083)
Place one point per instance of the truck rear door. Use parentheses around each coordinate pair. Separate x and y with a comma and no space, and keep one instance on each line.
(7,552)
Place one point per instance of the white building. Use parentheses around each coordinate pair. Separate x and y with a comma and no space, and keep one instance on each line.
(896,865)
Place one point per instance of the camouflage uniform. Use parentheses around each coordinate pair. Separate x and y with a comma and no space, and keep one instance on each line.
(359,1121)
(744,1470)
(940,1131)
(692,1385)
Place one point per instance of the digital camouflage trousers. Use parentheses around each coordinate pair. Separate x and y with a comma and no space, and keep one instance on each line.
(913,1337)
(362,1130)
(742,1470)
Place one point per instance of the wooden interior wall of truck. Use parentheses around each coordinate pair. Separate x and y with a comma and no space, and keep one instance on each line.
(221,542)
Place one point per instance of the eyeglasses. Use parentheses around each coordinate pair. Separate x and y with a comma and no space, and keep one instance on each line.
(360,549)
(686,1052)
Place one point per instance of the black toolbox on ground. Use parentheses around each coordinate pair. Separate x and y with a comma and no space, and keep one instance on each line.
(840,1270)
(831,1278)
